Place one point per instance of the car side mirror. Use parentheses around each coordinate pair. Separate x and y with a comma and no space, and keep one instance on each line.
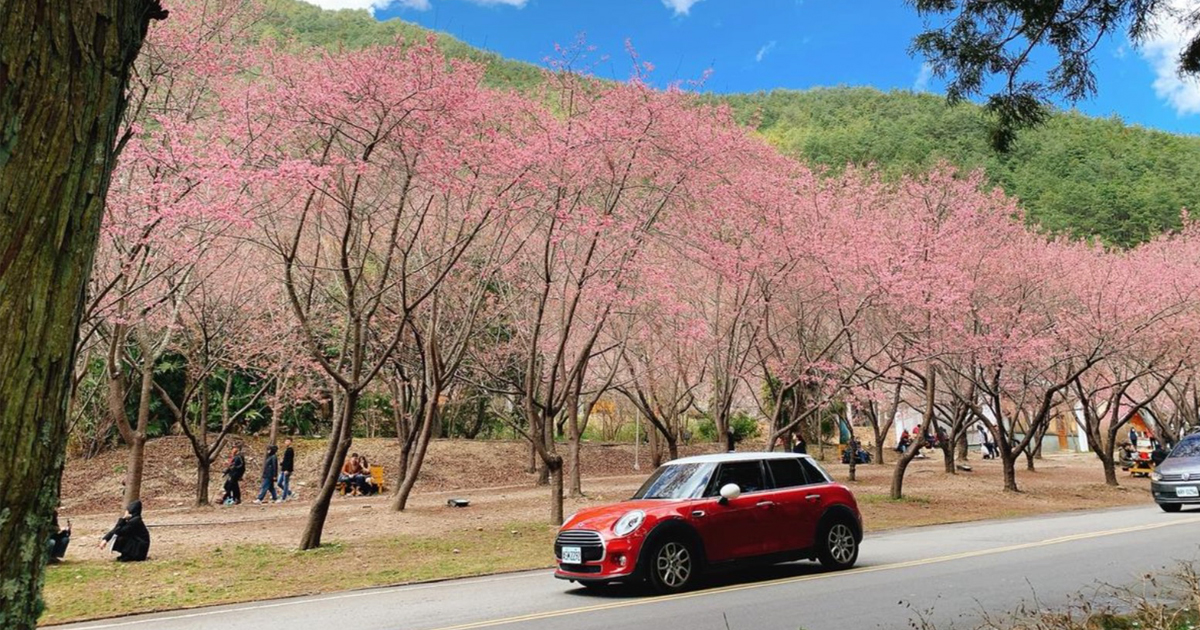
(729,492)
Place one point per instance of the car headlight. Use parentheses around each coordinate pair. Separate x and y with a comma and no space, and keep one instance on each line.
(1156,476)
(629,523)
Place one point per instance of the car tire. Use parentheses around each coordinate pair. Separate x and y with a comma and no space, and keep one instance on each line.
(1171,507)
(837,545)
(672,566)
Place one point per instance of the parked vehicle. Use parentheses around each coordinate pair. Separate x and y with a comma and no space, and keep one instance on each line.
(709,512)
(1176,481)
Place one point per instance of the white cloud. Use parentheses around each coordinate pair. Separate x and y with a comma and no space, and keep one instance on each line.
(1161,50)
(762,52)
(417,5)
(681,7)
(924,75)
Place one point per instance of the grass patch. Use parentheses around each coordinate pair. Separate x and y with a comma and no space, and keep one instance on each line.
(868,498)
(91,589)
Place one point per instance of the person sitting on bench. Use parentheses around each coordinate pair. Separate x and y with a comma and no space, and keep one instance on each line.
(352,476)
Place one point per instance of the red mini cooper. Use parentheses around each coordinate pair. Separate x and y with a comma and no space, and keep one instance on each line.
(703,513)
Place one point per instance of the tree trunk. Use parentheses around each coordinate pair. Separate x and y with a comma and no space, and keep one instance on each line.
(948,459)
(655,446)
(428,419)
(472,430)
(116,390)
(555,465)
(533,459)
(203,472)
(672,445)
(274,435)
(203,462)
(548,439)
(1110,470)
(1029,457)
(907,457)
(331,447)
(137,450)
(340,445)
(63,72)
(574,454)
(1009,462)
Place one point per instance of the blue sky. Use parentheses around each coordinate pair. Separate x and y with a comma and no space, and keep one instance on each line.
(752,45)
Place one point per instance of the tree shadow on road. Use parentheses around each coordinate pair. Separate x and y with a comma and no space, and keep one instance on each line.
(721,579)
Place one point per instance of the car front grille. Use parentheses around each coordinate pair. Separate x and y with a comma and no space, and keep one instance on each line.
(589,542)
(1179,477)
(581,568)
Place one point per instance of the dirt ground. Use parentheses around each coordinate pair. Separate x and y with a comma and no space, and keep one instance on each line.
(492,476)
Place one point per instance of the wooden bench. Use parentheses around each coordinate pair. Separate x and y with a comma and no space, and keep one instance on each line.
(376,480)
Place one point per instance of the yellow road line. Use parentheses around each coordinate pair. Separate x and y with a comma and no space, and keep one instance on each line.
(806,578)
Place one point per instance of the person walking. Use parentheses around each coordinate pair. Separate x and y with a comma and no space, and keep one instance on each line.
(286,465)
(234,471)
(130,537)
(269,472)
(800,446)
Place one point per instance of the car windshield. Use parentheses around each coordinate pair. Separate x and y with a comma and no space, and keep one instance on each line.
(676,481)
(1187,448)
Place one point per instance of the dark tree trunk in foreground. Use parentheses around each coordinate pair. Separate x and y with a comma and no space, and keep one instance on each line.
(63,69)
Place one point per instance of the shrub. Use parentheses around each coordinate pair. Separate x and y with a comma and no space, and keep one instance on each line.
(744,427)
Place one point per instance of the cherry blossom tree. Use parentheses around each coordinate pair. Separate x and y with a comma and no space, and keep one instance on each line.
(377,167)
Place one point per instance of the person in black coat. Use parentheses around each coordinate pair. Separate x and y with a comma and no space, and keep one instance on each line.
(269,472)
(56,545)
(233,476)
(286,466)
(130,537)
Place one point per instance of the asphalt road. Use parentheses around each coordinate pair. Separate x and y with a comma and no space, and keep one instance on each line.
(947,573)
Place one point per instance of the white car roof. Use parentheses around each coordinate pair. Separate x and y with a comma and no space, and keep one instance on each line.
(717,458)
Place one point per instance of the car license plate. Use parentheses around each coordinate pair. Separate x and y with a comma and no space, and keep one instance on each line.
(1187,491)
(572,555)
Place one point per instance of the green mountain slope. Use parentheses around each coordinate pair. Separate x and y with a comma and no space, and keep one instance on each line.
(1079,175)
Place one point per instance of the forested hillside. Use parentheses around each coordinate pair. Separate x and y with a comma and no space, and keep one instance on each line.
(1087,176)
(1080,175)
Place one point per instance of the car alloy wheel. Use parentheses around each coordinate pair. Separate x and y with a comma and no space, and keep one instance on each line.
(673,565)
(841,544)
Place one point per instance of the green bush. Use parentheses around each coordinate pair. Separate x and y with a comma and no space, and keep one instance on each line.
(744,427)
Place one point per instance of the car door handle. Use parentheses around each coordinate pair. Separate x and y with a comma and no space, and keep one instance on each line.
(766,504)
(813,497)
(697,513)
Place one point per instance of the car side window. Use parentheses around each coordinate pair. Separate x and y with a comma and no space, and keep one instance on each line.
(747,475)
(787,472)
(814,474)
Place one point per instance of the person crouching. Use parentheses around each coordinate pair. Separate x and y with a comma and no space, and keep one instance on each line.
(129,536)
